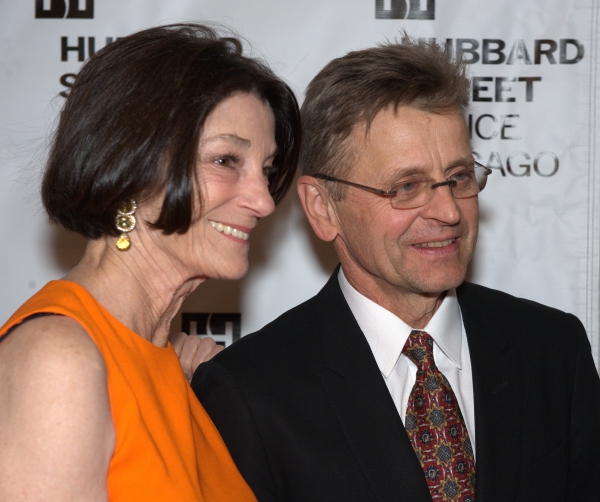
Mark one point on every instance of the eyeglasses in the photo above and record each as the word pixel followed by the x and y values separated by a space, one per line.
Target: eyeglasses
pixel 417 192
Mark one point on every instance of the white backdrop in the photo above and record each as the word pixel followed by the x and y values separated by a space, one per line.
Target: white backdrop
pixel 534 121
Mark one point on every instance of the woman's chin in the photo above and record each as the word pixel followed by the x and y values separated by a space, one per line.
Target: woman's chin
pixel 231 272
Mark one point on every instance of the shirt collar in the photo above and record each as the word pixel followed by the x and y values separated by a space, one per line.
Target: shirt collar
pixel 386 333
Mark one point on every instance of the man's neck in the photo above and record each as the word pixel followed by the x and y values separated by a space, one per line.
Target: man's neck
pixel 415 309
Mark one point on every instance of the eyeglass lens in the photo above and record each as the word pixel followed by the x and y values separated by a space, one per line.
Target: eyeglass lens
pixel 415 193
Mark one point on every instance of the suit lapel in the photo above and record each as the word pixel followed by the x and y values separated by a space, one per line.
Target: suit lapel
pixel 497 395
pixel 363 405
pixel 370 421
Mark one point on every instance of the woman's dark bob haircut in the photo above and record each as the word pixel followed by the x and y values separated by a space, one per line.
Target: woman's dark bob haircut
pixel 131 124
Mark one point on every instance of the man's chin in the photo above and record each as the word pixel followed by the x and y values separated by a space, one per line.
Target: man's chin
pixel 438 285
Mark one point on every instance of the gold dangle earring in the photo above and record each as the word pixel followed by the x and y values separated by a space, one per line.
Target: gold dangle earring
pixel 125 222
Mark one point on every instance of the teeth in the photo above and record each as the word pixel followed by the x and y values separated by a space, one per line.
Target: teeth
pixel 439 244
pixel 226 229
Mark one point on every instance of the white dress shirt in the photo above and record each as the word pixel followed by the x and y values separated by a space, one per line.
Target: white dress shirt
pixel 387 334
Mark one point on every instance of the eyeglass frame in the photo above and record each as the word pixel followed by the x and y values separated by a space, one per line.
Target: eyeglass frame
pixel 390 193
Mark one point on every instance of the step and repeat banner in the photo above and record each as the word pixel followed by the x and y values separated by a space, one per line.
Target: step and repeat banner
pixel 534 121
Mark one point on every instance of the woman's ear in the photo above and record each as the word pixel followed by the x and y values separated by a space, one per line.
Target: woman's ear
pixel 319 208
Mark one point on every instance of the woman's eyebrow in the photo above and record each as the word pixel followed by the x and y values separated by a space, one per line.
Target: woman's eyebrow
pixel 228 137
pixel 246 143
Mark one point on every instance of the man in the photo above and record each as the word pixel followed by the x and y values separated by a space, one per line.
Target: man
pixel 399 382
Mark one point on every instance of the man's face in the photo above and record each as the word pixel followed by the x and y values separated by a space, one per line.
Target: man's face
pixel 424 250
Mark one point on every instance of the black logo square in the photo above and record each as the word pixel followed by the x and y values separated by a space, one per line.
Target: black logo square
pixel 68 9
pixel 404 9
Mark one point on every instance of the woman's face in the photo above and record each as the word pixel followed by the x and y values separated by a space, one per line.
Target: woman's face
pixel 236 150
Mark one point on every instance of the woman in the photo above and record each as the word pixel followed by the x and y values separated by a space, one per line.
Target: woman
pixel 170 148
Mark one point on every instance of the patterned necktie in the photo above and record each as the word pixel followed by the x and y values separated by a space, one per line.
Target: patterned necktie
pixel 436 428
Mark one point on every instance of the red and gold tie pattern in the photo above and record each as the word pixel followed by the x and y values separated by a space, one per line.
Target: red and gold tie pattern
pixel 436 427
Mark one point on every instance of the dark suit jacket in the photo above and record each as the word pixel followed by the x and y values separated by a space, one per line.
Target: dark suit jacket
pixel 306 414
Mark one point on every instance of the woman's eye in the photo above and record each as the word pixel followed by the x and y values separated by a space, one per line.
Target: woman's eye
pixel 270 171
pixel 227 161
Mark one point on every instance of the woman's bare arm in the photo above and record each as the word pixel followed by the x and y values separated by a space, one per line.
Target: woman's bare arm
pixel 56 431
pixel 193 350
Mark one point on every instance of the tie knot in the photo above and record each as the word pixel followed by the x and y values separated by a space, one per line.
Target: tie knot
pixel 419 347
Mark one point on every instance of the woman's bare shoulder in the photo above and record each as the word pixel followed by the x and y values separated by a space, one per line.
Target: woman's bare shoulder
pixel 46 360
pixel 53 343
pixel 55 421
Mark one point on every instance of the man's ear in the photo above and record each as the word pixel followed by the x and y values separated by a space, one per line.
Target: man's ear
pixel 318 207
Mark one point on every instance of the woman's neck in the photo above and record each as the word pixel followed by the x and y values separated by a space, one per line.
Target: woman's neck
pixel 139 287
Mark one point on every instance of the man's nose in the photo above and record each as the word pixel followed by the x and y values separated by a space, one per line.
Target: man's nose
pixel 450 183
pixel 443 206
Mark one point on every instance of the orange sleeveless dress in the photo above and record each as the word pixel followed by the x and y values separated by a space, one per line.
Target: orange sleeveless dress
pixel 167 448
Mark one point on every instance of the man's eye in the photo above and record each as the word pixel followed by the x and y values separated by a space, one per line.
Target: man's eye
pixel 409 187
pixel 462 176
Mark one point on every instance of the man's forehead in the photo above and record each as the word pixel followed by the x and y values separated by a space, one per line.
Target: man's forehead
pixel 406 113
pixel 405 138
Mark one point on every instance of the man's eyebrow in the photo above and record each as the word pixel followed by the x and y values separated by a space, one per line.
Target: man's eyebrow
pixel 403 172
pixel 464 162
pixel 227 137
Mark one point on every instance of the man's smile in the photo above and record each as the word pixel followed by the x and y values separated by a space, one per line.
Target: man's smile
pixel 436 244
